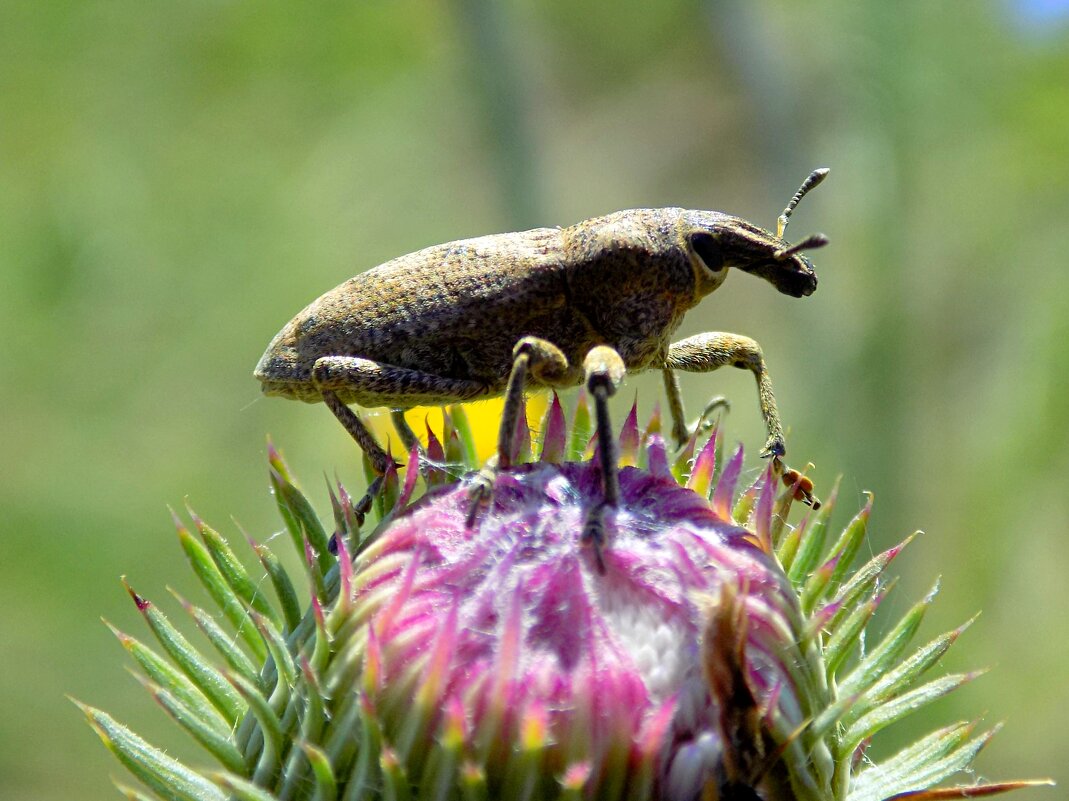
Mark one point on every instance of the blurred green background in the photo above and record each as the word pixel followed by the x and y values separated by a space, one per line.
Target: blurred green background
pixel 178 179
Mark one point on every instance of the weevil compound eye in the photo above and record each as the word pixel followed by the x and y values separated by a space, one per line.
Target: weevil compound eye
pixel 708 249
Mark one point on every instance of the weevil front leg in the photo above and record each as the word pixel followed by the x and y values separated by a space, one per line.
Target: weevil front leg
pixel 380 460
pixel 604 371
pixel 376 384
pixel 707 352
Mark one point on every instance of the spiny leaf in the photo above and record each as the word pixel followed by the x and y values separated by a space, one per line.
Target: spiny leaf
pixel 842 642
pixel 846 548
pixel 656 457
pixel 743 508
pixel 312 719
pixel 436 473
pixel 366 772
pixel 167 777
pixel 554 433
pixel 971 791
pixel 864 580
pixel 326 786
pixel 386 498
pixel 701 477
pixel 282 659
pixel 906 673
pixel 191 662
pixel 223 641
pixel 472 782
pixel 630 438
pixel 440 768
pixel 232 570
pixel 883 656
pixel 130 793
pixel 270 728
pixel 928 762
pixel 217 743
pixel 681 467
pixel 242 789
pixel 469 454
pixel 885 714
pixel 762 515
pixel 280 580
pixel 817 583
pixel 345 737
pixel 396 786
pixel 725 485
pixel 582 428
pixel 521 439
pixel 227 600
pixel 455 453
pixel 164 674
pixel 814 532
pixel 301 520
pixel 782 508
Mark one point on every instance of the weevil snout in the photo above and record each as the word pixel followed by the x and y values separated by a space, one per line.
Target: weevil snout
pixel 734 242
pixel 799 280
pixel 789 271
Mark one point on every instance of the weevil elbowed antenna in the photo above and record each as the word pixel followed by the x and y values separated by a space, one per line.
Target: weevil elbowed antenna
pixel 811 242
pixel 808 184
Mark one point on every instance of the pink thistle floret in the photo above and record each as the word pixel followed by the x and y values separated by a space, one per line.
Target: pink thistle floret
pixel 706 649
pixel 513 621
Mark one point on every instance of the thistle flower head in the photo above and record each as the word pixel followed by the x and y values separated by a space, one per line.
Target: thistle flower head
pixel 714 654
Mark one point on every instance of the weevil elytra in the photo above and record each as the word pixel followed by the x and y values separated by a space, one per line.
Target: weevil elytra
pixel 553 307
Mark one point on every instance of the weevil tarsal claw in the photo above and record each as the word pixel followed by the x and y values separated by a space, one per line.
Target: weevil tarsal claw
pixel 708 419
pixel 481 491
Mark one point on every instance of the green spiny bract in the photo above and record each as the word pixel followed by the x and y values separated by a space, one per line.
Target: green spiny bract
pixel 717 657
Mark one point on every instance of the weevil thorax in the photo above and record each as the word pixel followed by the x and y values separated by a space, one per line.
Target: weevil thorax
pixel 717 241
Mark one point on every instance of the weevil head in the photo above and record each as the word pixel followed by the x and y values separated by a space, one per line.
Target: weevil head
pixel 717 241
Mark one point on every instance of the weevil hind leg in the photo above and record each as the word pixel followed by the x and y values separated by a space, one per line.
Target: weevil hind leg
pixel 379 458
pixel 534 357
pixel 351 422
pixel 370 383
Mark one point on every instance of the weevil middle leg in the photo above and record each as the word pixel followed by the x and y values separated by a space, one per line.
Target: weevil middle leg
pixel 404 430
pixel 604 371
pixel 681 432
pixel 531 356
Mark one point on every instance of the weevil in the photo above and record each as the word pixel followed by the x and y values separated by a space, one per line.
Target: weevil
pixel 550 307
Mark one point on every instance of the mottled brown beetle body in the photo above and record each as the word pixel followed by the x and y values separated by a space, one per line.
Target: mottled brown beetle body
pixel 552 307
pixel 457 310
